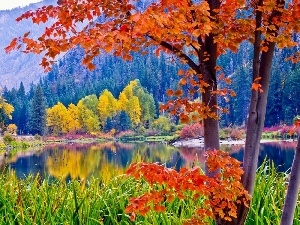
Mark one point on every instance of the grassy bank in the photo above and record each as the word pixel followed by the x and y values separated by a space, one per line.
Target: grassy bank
pixel 36 201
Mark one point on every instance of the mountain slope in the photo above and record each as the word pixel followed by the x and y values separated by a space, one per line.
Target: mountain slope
pixel 17 66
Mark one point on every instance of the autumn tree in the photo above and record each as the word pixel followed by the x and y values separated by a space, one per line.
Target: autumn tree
pixel 58 119
pixel 146 101
pixel 6 110
pixel 74 125
pixel 194 32
pixel 91 102
pixel 107 106
pixel 134 110
pixel 88 120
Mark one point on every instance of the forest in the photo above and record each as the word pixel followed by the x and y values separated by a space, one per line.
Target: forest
pixel 69 81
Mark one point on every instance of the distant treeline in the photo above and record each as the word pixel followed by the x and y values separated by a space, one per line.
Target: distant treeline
pixel 69 81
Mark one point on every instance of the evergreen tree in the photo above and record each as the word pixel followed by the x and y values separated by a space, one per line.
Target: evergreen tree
pixel 20 116
pixel 37 113
pixel 124 121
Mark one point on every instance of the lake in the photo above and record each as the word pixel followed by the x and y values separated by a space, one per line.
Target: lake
pixel 81 161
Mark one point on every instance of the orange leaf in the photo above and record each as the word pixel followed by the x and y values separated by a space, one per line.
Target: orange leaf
pixel 132 216
pixel 135 17
pixel 184 118
pixel 196 33
pixel 232 93
pixel 265 48
pixel 178 93
pixel 180 72
pixel 170 92
pixel 195 118
pixel 91 66
pixel 228 80
pixel 182 81
pixel 159 208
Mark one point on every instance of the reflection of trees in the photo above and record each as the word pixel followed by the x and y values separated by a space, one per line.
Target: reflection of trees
pixel 110 170
pixel 284 145
pixel 232 148
pixel 74 164
pixel 104 159
pixel 155 152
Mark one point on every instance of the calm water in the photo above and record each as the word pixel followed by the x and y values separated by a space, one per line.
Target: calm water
pixel 78 161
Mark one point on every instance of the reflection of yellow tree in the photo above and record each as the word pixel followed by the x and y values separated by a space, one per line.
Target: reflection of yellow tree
pixel 75 164
pixel 109 170
pixel 161 152
pixel 82 161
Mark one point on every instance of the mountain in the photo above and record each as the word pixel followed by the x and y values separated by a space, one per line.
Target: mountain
pixel 17 66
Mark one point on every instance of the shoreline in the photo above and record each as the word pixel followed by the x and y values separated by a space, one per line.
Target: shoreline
pixel 199 142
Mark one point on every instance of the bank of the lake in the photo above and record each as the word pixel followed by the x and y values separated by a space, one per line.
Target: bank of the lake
pixel 42 201
pixel 199 142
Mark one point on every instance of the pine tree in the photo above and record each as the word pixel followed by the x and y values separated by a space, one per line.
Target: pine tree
pixel 124 121
pixel 37 113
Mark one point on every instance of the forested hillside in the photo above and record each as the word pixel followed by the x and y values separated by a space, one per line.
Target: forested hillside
pixel 16 66
pixel 69 82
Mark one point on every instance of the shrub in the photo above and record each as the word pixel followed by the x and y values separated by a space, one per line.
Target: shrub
pixel 8 139
pixel 237 134
pixel 170 186
pixel 192 131
pixel 141 130
pixel 222 134
pixel 151 132
pixel 12 129
pixel 38 137
pixel 126 133
pixel 162 124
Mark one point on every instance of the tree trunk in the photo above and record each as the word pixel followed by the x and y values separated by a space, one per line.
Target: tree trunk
pixel 293 189
pixel 255 124
pixel 211 125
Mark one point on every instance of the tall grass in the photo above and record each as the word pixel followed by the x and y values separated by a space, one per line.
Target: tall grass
pixel 44 201
pixel 268 198
pixel 36 201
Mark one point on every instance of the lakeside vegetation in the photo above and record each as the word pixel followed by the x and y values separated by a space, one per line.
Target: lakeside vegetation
pixel 42 201
pixel 13 143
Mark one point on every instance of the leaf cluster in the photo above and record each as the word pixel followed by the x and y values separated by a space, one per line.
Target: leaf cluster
pixel 220 193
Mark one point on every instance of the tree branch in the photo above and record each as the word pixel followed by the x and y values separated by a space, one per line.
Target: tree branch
pixel 177 52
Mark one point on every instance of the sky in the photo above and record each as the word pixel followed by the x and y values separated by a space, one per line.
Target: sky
pixel 9 4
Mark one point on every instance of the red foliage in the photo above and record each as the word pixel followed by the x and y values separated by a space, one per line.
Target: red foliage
pixel 237 134
pixel 192 131
pixel 125 133
pixel 220 193
pixel 271 129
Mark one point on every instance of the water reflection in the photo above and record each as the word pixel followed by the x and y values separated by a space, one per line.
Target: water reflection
pixel 106 160
pixel 281 153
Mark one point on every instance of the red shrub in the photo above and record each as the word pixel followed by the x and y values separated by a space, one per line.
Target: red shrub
pixel 237 134
pixel 192 131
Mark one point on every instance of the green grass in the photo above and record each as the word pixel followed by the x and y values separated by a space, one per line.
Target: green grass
pixel 160 138
pixel 45 201
pixel 36 201
pixel 268 198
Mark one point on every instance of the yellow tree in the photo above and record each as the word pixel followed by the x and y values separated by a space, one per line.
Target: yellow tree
pixel 88 120
pixel 12 129
pixel 122 101
pixel 6 110
pixel 57 119
pixel 74 124
pixel 133 109
pixel 146 101
pixel 107 106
